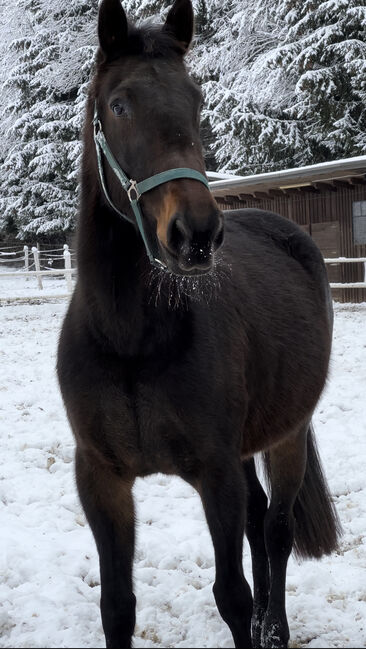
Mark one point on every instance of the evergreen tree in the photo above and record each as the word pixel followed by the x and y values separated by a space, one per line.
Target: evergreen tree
pixel 202 19
pixel 207 17
pixel 142 9
pixel 51 67
pixel 285 82
pixel 248 135
pixel 323 57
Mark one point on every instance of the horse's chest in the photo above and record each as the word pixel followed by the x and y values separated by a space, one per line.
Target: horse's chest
pixel 173 421
pixel 169 433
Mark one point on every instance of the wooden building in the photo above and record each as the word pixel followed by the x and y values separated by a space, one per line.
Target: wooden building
pixel 327 200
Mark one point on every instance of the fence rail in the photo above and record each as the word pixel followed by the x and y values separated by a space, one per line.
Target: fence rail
pixel 23 255
pixel 344 260
pixel 42 260
pixel 43 273
pixel 347 260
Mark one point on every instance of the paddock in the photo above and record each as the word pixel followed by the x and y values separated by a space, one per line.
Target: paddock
pixel 49 569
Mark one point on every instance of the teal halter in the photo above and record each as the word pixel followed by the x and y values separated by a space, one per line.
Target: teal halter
pixel 135 190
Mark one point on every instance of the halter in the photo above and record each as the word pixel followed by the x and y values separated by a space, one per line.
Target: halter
pixel 135 189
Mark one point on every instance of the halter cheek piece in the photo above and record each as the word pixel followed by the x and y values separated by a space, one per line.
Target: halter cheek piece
pixel 135 189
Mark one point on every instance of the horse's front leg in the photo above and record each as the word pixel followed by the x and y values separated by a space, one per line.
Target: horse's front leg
pixel 257 509
pixel 108 505
pixel 222 489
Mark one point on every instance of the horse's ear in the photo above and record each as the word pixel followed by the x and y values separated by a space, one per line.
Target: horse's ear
pixel 112 28
pixel 180 20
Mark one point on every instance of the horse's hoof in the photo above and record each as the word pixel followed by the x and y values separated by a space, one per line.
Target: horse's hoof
pixel 257 624
pixel 275 635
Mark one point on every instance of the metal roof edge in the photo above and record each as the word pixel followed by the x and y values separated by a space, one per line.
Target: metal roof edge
pixel 335 166
pixel 215 176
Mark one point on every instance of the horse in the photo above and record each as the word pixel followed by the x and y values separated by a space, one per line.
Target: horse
pixel 194 339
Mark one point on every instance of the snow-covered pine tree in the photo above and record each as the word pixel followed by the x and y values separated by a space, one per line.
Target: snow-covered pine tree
pixel 207 14
pixel 323 57
pixel 245 100
pixel 50 63
pixel 285 82
pixel 201 18
pixel 143 9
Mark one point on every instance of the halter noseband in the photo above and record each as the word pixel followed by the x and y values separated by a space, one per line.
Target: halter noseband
pixel 135 190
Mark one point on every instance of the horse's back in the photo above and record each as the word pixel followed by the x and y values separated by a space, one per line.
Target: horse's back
pixel 263 242
pixel 275 233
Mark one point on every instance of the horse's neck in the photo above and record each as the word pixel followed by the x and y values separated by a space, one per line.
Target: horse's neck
pixel 117 284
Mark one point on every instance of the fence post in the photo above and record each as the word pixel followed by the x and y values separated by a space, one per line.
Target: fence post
pixel 35 252
pixel 67 258
pixel 26 260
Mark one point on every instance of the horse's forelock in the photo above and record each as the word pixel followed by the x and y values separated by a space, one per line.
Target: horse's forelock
pixel 150 41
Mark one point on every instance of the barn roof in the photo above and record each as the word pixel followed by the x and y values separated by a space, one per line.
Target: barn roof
pixel 326 175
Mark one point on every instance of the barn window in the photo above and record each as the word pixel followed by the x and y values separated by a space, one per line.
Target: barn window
pixel 359 222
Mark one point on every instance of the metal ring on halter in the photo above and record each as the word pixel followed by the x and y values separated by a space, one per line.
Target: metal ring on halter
pixel 133 188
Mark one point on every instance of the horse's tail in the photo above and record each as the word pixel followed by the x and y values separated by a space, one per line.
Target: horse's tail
pixel 317 526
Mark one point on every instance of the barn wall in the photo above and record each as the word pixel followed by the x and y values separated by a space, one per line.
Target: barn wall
pixel 327 216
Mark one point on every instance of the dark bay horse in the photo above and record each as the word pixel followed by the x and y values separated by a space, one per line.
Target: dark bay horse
pixel 187 349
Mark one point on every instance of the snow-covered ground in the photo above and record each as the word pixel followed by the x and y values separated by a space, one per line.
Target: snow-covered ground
pixel 49 579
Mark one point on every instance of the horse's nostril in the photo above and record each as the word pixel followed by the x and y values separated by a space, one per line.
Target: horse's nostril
pixel 179 224
pixel 177 233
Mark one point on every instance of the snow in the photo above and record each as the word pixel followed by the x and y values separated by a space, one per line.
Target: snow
pixel 351 164
pixel 49 583
pixel 215 176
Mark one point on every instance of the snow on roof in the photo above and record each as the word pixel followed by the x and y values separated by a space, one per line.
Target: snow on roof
pixel 220 175
pixel 321 171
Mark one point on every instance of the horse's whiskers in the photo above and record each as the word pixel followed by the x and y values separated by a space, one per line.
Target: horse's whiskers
pixel 177 288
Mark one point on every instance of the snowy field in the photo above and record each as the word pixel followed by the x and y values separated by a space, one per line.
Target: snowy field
pixel 49 579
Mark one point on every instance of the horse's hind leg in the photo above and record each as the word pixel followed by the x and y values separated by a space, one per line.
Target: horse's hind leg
pixel 256 511
pixel 286 463
pixel 222 490
pixel 108 505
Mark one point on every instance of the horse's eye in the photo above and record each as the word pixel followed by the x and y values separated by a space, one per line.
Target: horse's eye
pixel 118 109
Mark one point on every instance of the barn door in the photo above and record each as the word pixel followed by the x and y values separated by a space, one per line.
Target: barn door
pixel 327 237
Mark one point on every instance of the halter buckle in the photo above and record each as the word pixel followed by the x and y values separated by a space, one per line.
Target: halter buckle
pixel 133 188
pixel 97 125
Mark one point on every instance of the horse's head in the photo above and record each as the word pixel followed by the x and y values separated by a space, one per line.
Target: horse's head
pixel 149 109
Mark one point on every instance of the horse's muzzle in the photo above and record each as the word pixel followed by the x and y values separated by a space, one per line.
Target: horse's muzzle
pixel 192 244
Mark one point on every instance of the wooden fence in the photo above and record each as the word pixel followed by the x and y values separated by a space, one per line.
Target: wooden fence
pixel 38 263
pixel 33 262
pixel 347 260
